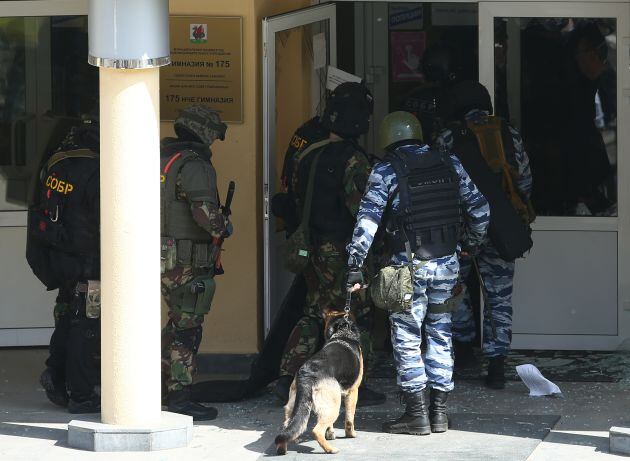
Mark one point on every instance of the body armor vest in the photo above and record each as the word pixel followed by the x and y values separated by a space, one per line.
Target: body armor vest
pixel 63 225
pixel 176 219
pixel 330 218
pixel 429 215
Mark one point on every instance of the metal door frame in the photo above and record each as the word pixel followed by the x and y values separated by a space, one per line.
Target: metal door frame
pixel 271 26
pixel 620 224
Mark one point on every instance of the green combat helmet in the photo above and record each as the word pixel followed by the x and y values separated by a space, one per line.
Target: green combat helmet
pixel 202 123
pixel 397 127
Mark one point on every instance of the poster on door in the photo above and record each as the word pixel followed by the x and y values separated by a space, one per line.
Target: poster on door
pixel 406 51
pixel 206 67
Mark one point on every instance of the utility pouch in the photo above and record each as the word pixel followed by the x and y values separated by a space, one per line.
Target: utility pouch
pixel 201 256
pixel 392 288
pixel 93 299
pixel 168 254
pixel 298 251
pixel 195 297
pixel 184 252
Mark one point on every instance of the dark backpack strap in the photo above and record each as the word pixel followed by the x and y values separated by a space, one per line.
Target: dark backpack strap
pixel 78 153
pixel 397 160
pixel 509 149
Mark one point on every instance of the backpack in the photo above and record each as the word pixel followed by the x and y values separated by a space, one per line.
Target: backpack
pixel 486 151
pixel 63 244
pixel 497 148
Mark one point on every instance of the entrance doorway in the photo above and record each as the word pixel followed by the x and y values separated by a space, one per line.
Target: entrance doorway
pixel 558 72
pixel 45 87
pixel 571 291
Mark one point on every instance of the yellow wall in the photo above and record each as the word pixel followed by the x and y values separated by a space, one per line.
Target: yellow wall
pixel 234 324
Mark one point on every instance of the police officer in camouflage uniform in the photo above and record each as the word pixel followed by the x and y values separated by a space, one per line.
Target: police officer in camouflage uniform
pixel 193 228
pixel 426 229
pixel 471 102
pixel 340 180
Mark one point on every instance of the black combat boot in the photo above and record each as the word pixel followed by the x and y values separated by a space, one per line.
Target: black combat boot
pixel 89 404
pixel 180 402
pixel 464 354
pixel 55 387
pixel 496 373
pixel 415 420
pixel 437 411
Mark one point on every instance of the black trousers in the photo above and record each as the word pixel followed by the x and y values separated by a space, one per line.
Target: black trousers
pixel 74 352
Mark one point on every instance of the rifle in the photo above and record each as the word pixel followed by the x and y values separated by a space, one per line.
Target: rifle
pixel 226 210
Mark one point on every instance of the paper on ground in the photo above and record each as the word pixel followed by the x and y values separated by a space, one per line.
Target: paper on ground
pixel 538 385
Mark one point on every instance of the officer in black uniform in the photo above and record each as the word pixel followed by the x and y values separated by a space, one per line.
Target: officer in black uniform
pixel 63 251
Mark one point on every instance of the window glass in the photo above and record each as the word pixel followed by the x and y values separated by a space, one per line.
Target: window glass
pixel 556 81
pixel 46 85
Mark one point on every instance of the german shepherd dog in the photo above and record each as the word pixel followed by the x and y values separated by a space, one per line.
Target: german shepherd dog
pixel 333 372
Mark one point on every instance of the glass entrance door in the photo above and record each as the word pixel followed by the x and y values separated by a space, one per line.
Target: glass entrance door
pixel 46 85
pixel 559 73
pixel 298 47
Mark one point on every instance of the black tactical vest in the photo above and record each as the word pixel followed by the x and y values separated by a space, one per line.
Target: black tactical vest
pixel 63 226
pixel 429 215
pixel 175 215
pixel 330 218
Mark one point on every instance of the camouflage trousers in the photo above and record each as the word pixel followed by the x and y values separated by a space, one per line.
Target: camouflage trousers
pixel 498 276
pixel 181 336
pixel 433 283
pixel 325 278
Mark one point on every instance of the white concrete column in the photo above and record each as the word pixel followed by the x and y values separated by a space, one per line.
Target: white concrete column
pixel 130 246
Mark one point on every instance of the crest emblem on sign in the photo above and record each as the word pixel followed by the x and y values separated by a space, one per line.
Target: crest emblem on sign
pixel 198 33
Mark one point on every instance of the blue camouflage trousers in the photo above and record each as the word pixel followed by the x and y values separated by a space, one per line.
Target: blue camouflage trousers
pixel 433 282
pixel 498 276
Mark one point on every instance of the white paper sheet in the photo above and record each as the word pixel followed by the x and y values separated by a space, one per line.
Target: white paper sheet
pixel 538 385
pixel 337 76
pixel 319 51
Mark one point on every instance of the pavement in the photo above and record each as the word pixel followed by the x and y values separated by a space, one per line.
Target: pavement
pixel 487 425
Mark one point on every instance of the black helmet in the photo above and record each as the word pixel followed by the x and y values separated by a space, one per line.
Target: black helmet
pixel 348 110
pixel 85 135
pixel 466 96
pixel 440 64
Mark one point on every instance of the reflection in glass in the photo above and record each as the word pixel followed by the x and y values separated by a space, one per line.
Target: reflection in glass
pixel 46 85
pixel 555 80
pixel 301 71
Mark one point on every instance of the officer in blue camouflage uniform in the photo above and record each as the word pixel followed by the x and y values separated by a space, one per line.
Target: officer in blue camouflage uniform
pixel 193 228
pixel 433 281
pixel 497 274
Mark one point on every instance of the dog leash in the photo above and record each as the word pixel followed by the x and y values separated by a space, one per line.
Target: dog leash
pixel 346 308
